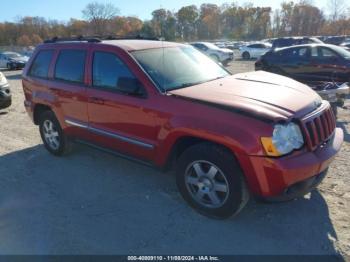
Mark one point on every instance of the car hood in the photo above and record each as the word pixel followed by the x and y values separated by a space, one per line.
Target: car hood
pixel 259 93
pixel 19 59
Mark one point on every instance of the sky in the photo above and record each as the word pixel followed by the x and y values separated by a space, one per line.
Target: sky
pixel 63 10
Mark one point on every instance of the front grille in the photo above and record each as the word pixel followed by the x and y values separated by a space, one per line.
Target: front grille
pixel 318 127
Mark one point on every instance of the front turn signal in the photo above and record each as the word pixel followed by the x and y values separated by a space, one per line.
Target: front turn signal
pixel 269 147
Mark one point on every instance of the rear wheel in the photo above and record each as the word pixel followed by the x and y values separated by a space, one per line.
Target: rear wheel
pixel 54 139
pixel 246 55
pixel 210 180
pixel 9 67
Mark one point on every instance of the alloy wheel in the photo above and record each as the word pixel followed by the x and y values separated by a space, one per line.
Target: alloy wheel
pixel 206 184
pixel 51 134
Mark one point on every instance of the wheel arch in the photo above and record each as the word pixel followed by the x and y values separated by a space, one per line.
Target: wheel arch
pixel 181 143
pixel 38 110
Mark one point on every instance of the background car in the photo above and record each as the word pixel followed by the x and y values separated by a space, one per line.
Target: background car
pixel 222 55
pixel 346 45
pixel 290 41
pixel 254 50
pixel 308 63
pixel 12 60
pixel 5 93
pixel 335 40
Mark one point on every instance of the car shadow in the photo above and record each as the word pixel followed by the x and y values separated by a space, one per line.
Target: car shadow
pixel 96 203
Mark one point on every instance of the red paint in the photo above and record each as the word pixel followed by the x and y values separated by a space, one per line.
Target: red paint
pixel 160 120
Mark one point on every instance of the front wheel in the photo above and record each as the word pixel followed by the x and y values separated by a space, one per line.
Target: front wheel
pixel 210 180
pixel 54 139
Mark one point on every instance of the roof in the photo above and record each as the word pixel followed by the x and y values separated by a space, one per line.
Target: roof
pixel 128 45
pixel 303 45
pixel 133 45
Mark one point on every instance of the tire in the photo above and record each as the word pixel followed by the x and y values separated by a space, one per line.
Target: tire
pixel 246 55
pixel 215 58
pixel 9 67
pixel 52 135
pixel 218 169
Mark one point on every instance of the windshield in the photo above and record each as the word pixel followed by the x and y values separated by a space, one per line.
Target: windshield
pixel 178 67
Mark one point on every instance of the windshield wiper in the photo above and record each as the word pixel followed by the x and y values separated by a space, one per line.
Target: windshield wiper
pixel 194 83
pixel 187 85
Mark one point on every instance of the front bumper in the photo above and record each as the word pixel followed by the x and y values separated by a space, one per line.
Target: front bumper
pixel 275 176
pixel 227 58
pixel 5 96
pixel 17 65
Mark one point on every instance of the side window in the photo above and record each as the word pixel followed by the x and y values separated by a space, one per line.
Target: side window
pixel 314 52
pixel 70 66
pixel 327 53
pixel 41 64
pixel 202 47
pixel 108 71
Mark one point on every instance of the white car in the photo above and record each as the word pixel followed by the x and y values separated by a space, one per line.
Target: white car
pixel 5 93
pixel 254 50
pixel 12 60
pixel 222 55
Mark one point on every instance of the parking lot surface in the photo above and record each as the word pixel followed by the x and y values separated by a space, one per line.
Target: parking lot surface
pixel 90 202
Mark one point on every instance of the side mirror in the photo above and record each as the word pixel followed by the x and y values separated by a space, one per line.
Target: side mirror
pixel 130 86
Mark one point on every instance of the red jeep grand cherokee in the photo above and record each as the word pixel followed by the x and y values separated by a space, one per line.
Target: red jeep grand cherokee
pixel 166 104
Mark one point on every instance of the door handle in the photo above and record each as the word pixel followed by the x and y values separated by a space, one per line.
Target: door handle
pixel 97 100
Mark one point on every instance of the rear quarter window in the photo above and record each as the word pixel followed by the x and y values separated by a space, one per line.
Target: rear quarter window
pixel 41 64
pixel 70 66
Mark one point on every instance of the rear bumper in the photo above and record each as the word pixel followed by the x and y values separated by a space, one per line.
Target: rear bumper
pixel 278 177
pixel 28 105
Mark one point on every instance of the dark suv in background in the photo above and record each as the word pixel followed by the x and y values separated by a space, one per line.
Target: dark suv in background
pixel 308 63
pixel 290 41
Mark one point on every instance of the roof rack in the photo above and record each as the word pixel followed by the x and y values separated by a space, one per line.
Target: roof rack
pixel 72 39
pixel 97 39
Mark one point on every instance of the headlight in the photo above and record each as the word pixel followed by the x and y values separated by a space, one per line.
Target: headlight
pixel 285 139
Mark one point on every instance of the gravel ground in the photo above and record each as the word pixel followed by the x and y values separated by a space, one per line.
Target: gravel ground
pixel 93 203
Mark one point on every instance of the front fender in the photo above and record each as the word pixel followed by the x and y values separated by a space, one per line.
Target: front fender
pixel 242 137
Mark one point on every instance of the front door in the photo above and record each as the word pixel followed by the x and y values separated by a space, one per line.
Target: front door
pixel 119 118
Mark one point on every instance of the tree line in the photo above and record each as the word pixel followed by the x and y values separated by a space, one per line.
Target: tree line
pixel 206 22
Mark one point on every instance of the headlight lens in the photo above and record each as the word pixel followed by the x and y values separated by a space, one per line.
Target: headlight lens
pixel 285 139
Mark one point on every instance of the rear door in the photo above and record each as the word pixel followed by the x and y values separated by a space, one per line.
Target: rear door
pixel 295 62
pixel 68 83
pixel 118 119
pixel 327 65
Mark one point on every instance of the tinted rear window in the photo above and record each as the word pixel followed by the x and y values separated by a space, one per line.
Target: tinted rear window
pixel 70 66
pixel 41 64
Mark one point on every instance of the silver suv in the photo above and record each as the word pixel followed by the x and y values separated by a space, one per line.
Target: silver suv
pixel 222 55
